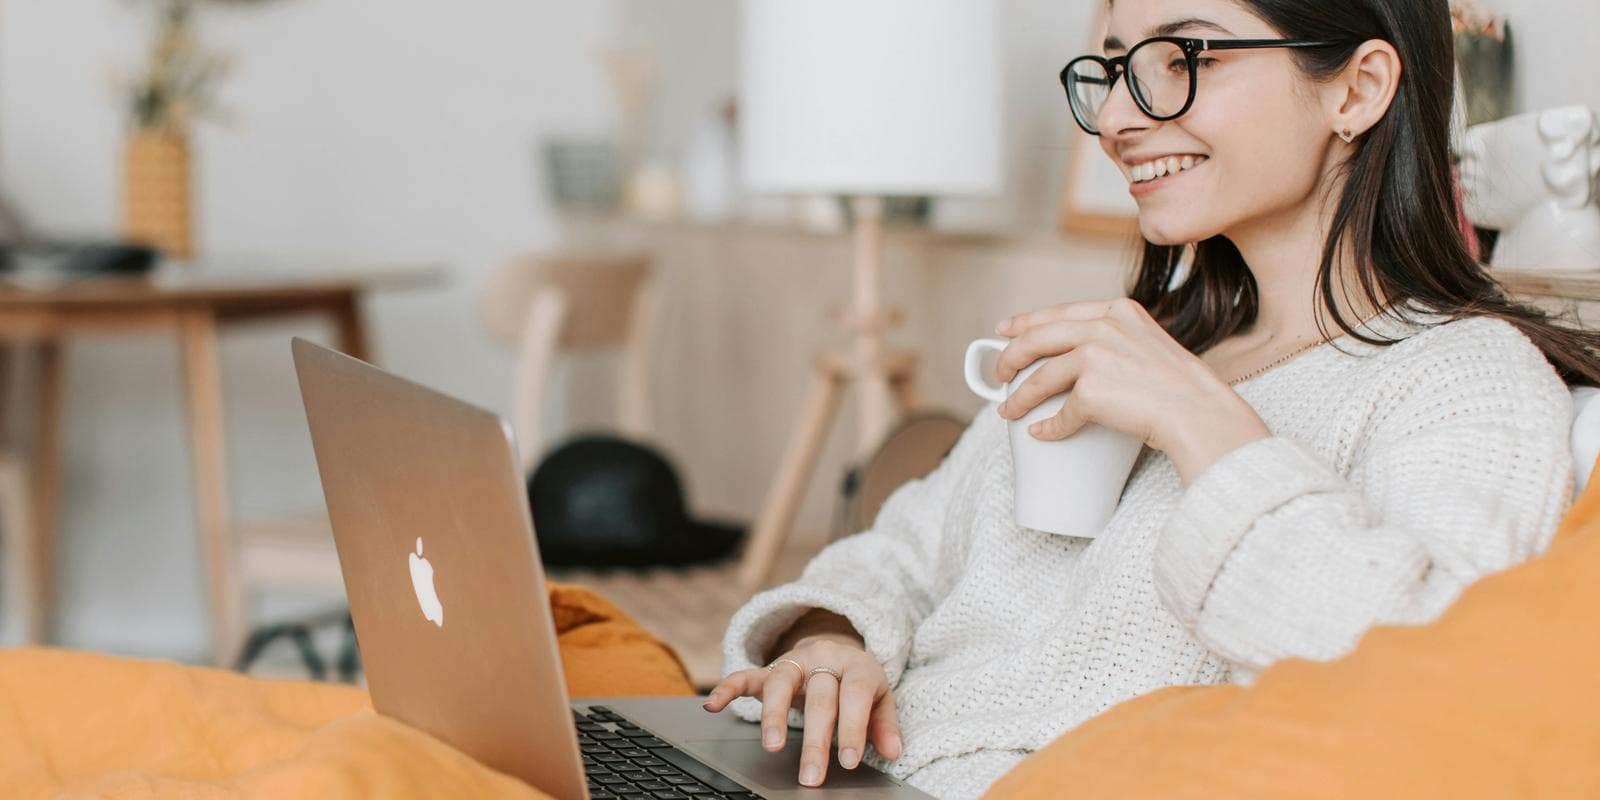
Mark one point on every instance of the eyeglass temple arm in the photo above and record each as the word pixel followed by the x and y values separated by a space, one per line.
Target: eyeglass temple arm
pixel 1250 44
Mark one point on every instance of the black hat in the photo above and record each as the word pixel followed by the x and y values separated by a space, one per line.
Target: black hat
pixel 602 501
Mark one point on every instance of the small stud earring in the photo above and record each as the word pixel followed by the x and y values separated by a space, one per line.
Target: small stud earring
pixel 1346 135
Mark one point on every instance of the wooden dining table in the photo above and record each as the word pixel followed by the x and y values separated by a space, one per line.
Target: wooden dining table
pixel 194 305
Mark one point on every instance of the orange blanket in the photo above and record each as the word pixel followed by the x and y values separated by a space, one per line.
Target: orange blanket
pixel 82 725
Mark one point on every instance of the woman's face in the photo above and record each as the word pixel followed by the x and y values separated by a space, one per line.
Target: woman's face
pixel 1256 135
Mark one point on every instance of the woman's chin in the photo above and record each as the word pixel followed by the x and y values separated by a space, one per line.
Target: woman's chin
pixel 1159 234
pixel 1168 232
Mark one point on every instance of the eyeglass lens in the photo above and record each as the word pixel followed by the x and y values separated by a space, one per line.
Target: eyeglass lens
pixel 1158 76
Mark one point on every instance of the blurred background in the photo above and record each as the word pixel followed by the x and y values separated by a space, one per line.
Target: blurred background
pixel 432 148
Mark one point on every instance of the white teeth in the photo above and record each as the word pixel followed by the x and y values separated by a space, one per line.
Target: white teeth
pixel 1161 167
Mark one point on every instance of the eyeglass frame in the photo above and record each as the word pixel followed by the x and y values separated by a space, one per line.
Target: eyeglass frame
pixel 1116 68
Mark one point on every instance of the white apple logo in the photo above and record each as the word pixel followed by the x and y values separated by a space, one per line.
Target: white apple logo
pixel 422 584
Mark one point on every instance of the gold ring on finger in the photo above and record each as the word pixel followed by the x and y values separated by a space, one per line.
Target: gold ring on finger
pixel 797 665
pixel 815 671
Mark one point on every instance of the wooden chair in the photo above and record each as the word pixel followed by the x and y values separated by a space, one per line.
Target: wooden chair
pixel 543 306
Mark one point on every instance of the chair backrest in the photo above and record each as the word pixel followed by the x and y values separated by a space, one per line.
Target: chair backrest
pixel 543 305
pixel 911 450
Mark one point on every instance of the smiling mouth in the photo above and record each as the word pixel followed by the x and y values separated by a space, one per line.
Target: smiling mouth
pixel 1159 168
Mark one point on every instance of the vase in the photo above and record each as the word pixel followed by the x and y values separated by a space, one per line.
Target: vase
pixel 156 192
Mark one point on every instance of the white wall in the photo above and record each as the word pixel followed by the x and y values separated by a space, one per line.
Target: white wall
pixel 404 131
pixel 365 133
pixel 1556 45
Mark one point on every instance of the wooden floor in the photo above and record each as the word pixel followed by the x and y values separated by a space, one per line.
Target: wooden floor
pixel 688 608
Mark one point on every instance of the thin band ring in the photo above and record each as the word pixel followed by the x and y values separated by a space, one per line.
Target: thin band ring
pixel 797 665
pixel 815 671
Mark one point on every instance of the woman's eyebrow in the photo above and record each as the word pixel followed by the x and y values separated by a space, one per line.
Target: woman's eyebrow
pixel 1168 29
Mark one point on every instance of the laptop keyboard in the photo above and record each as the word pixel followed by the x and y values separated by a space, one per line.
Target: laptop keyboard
pixel 622 760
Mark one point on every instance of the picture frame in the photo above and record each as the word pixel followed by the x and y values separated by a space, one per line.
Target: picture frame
pixel 1095 199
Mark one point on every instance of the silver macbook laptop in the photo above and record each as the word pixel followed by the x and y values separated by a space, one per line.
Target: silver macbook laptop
pixel 431 522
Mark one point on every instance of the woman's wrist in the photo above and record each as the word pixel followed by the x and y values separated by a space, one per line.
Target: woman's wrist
pixel 817 625
pixel 1200 440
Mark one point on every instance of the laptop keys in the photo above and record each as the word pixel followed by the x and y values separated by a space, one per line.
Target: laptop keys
pixel 623 760
pixel 703 773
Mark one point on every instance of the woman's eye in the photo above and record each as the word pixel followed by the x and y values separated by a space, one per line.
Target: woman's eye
pixel 1205 62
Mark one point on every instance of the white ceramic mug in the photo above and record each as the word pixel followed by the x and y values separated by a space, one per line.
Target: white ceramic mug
pixel 1069 486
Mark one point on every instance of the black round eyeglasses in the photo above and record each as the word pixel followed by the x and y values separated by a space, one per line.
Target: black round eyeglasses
pixel 1160 73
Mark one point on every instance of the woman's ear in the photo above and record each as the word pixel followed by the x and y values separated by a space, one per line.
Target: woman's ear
pixel 1361 94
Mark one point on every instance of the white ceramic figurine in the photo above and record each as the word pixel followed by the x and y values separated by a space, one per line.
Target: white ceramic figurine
pixel 1536 178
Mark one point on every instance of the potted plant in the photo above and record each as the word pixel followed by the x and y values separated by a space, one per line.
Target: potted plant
pixel 175 87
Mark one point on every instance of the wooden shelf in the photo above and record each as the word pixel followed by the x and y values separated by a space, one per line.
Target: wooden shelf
pixel 577 223
pixel 1581 286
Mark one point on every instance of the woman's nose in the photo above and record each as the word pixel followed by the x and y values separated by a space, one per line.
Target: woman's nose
pixel 1120 113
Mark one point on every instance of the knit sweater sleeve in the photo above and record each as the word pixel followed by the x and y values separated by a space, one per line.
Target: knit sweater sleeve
pixel 1273 552
pixel 884 580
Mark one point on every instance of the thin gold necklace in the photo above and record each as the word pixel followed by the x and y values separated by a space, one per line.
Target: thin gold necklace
pixel 1293 353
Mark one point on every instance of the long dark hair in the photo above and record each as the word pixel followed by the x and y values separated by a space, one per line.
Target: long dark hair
pixel 1397 208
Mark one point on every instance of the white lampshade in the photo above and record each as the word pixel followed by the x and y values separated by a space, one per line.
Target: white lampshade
pixel 870 97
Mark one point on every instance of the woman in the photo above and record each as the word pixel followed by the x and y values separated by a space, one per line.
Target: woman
pixel 1294 491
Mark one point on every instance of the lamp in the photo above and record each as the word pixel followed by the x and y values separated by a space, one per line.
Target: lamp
pixel 864 98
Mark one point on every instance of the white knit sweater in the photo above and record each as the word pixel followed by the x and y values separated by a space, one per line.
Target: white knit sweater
pixel 1394 477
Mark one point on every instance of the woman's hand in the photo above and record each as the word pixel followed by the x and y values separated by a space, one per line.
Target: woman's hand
pixel 858 700
pixel 1126 373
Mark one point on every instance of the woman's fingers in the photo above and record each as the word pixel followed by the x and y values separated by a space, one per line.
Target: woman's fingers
pixel 1052 378
pixel 856 695
pixel 885 727
pixel 737 684
pixel 1088 309
pixel 1044 341
pixel 777 696
pixel 857 705
pixel 822 710
pixel 1065 422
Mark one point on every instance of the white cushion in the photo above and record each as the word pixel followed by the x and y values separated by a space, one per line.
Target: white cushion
pixel 1585 433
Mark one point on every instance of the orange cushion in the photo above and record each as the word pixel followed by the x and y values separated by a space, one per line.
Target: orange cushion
pixel 1500 697
pixel 91 725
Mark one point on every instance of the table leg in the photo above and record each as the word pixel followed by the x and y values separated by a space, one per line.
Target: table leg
pixel 198 333
pixel 46 488
pixel 353 339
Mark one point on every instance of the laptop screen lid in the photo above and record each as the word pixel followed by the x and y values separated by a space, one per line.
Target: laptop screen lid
pixel 431 523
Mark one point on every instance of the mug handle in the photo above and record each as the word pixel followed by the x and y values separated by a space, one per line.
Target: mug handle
pixel 975 379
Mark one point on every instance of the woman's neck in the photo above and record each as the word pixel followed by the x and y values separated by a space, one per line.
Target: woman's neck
pixel 1283 255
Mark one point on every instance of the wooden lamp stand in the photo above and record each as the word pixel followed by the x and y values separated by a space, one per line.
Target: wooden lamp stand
pixel 882 376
